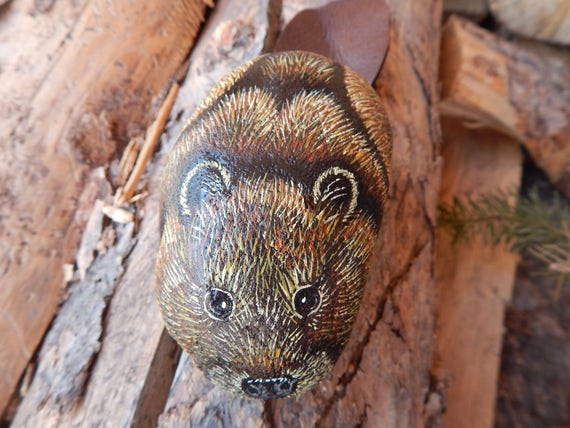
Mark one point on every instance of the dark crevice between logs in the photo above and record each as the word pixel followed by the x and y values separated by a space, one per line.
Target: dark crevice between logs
pixel 435 134
pixel 157 384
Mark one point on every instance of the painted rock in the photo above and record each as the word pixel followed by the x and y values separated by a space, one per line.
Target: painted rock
pixel 272 202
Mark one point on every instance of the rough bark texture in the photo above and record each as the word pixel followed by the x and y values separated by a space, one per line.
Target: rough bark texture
pixel 226 42
pixel 69 350
pixel 474 279
pixel 535 372
pixel 121 384
pixel 80 87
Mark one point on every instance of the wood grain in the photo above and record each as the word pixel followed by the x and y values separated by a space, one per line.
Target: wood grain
pixel 474 279
pixel 79 88
pixel 73 340
pixel 224 44
pixel 383 377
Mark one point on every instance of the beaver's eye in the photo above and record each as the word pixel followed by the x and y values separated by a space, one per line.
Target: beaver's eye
pixel 306 300
pixel 219 304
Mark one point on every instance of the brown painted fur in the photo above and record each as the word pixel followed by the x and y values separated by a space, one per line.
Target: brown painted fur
pixel 272 198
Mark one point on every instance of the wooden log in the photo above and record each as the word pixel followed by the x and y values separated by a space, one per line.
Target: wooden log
pixel 382 378
pixel 225 43
pixel 493 83
pixel 130 353
pixel 546 20
pixel 73 340
pixel 28 297
pixel 73 96
pixel 474 279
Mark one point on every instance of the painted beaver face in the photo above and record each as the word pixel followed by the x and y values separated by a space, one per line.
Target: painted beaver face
pixel 271 205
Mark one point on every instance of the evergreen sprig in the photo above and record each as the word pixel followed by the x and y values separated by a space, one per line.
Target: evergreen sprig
pixel 528 225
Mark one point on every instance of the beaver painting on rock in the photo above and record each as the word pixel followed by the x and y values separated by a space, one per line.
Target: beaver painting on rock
pixel 272 203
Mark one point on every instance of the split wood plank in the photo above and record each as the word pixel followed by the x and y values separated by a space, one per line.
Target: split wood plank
pixel 73 340
pixel 30 242
pixel 496 84
pixel 64 109
pixel 474 279
pixel 130 376
pixel 131 352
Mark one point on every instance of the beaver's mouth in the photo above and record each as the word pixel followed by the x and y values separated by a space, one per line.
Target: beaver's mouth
pixel 269 388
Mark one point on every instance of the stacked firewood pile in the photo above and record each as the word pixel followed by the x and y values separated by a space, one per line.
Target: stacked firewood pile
pixel 91 88
pixel 502 92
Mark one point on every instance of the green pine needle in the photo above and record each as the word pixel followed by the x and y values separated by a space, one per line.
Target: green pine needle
pixel 529 226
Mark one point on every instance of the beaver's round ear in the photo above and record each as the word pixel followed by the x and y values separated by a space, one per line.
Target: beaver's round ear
pixel 336 191
pixel 205 182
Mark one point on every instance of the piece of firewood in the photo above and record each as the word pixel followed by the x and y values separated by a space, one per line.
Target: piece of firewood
pixel 474 279
pixel 547 20
pixel 493 83
pixel 74 90
pixel 73 341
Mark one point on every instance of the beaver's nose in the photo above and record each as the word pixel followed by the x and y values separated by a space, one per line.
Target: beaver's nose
pixel 274 387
